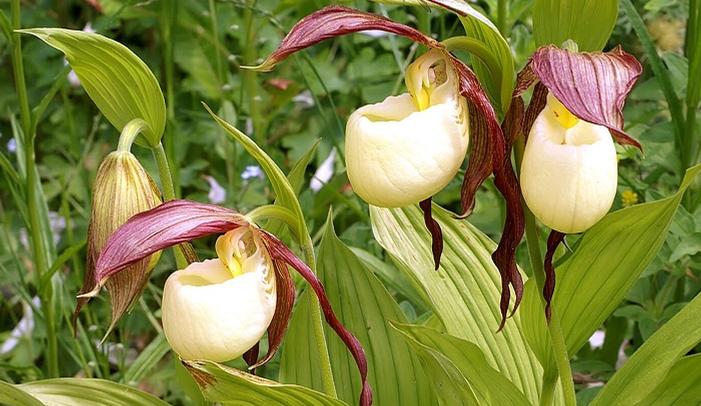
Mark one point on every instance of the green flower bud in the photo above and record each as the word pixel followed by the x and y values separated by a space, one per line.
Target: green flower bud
pixel 122 189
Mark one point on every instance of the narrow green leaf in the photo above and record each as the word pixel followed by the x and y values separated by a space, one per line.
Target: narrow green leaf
pixel 284 194
pixel 148 359
pixel 10 395
pixel 651 363
pixel 608 260
pixel 587 23
pixel 465 291
pixel 681 386
pixel 117 81
pixel 364 306
pixel 230 386
pixel 62 259
pixel 88 392
pixel 490 386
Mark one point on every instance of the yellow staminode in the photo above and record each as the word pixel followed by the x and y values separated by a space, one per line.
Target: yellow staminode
pixel 562 115
pixel 230 250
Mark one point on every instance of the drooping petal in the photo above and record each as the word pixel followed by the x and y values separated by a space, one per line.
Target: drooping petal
pixel 591 85
pixel 281 318
pixel 280 252
pixel 435 229
pixel 334 21
pixel 554 239
pixel 164 226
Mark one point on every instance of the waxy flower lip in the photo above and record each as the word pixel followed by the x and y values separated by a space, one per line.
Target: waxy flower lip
pixel 179 221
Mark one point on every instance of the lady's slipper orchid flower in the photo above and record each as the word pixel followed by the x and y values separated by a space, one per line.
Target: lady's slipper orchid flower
pixel 408 147
pixel 219 309
pixel 569 168
pixel 490 150
pixel 122 189
pixel 568 174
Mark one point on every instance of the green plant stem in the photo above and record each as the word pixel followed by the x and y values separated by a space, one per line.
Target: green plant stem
pixel 168 192
pixel 250 77
pixel 39 249
pixel 501 16
pixel 169 10
pixel 555 330
pixel 476 48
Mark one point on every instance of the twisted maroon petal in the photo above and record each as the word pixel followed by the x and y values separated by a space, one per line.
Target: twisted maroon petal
pixel 169 224
pixel 283 312
pixel 592 85
pixel 280 252
pixel 554 239
pixel 435 229
pixel 251 357
pixel 334 21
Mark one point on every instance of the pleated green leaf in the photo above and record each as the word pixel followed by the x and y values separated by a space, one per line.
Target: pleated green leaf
pixel 364 306
pixel 231 386
pixel 79 392
pixel 117 81
pixel 10 395
pixel 490 386
pixel 588 23
pixel 681 386
pixel 464 292
pixel 606 263
pixel 651 364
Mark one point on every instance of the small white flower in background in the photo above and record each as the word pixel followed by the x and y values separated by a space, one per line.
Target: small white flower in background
pixel 324 173
pixel 216 194
pixel 72 77
pixel 23 329
pixel 597 339
pixel 375 33
pixel 57 224
pixel 12 145
pixel 249 126
pixel 116 353
pixel 305 99
pixel 251 172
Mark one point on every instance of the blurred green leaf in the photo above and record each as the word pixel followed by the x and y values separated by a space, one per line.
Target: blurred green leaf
pixel 587 23
pixel 364 306
pixel 465 290
pixel 471 367
pixel 681 386
pixel 11 395
pixel 652 362
pixel 118 82
pixel 83 392
pixel 227 385
pixel 147 359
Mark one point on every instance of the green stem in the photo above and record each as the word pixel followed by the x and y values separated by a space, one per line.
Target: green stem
pixel 250 77
pixel 501 16
pixel 555 330
pixel 129 134
pixel 39 249
pixel 476 48
pixel 169 10
pixel 168 192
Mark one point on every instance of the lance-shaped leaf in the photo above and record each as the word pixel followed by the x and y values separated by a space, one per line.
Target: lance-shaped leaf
pixel 179 221
pixel 591 85
pixel 120 84
pixel 490 150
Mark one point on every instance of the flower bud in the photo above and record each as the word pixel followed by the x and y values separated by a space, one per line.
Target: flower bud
pixel 122 189
pixel 569 170
pixel 219 308
pixel 407 148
